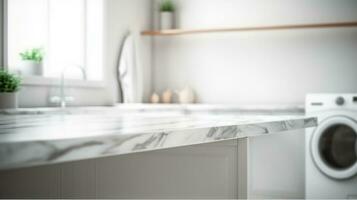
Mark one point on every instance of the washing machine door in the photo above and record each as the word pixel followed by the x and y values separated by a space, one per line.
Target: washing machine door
pixel 334 147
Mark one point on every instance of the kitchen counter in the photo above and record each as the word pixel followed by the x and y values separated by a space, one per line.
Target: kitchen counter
pixel 31 137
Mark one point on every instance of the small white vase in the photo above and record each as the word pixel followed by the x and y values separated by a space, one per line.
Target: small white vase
pixel 166 20
pixel 155 98
pixel 186 96
pixel 8 100
pixel 31 68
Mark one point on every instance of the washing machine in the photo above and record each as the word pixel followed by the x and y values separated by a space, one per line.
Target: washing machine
pixel 331 147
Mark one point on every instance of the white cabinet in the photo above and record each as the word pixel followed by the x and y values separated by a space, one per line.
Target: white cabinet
pixel 203 171
pixel 275 166
pixel 261 167
pixel 200 171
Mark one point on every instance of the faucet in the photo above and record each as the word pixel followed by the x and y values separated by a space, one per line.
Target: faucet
pixel 62 99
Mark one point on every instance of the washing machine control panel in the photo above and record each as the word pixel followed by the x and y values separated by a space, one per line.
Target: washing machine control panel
pixel 323 102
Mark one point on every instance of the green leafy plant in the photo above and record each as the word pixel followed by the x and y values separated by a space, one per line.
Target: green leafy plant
pixel 167 6
pixel 9 82
pixel 35 54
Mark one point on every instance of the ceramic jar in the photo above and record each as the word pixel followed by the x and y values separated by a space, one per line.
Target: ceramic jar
pixel 186 96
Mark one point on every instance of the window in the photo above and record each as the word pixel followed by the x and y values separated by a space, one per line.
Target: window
pixel 68 32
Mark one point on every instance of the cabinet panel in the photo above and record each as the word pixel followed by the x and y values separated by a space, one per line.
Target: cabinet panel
pixel 77 179
pixel 199 171
pixel 34 183
pixel 277 166
pixel 204 171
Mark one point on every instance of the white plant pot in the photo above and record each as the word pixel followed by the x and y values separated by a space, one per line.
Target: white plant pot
pixel 31 68
pixel 166 20
pixel 8 100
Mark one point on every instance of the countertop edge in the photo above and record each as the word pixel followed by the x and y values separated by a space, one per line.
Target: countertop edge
pixel 35 153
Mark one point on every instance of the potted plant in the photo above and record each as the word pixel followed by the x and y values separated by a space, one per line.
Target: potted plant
pixel 32 62
pixel 167 9
pixel 9 85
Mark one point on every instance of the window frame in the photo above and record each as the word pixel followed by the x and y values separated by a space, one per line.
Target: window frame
pixel 52 81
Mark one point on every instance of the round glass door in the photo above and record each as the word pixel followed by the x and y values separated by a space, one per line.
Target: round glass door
pixel 334 147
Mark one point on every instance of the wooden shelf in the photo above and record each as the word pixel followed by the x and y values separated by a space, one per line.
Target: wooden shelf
pixel 173 32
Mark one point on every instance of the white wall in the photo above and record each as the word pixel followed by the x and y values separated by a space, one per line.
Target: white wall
pixel 121 16
pixel 270 67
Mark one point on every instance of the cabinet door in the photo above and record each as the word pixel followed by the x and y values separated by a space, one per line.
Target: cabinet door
pixel 198 171
pixel 202 171
pixel 33 183
pixel 276 166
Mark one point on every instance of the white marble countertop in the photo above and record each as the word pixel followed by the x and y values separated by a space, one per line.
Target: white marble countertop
pixel 31 137
pixel 171 109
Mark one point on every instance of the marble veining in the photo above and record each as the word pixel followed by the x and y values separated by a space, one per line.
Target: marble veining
pixel 36 138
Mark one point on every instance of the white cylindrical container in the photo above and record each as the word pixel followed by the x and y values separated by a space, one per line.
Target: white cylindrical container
pixel 186 96
pixel 32 68
pixel 155 98
pixel 166 20
pixel 8 100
